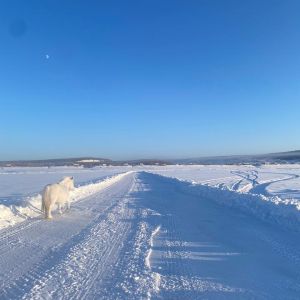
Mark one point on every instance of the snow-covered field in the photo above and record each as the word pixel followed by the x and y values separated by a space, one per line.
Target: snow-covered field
pixel 172 232
pixel 268 180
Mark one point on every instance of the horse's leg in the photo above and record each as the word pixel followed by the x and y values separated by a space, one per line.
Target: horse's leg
pixel 68 204
pixel 48 211
pixel 43 205
pixel 59 208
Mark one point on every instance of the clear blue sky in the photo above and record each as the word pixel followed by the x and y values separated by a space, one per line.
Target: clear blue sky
pixel 137 79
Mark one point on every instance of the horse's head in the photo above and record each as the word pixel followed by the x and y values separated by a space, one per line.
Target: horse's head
pixel 68 182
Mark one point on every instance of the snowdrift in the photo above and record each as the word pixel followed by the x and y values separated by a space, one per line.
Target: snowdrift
pixel 284 212
pixel 10 215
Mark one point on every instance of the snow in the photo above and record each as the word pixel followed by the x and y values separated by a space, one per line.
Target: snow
pixel 268 180
pixel 16 184
pixel 153 232
pixel 23 206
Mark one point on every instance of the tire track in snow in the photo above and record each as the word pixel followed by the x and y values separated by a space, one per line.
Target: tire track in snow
pixel 179 280
pixel 254 186
pixel 132 277
pixel 262 187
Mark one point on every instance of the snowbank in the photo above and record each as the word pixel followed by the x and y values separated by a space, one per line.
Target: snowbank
pixel 285 212
pixel 10 215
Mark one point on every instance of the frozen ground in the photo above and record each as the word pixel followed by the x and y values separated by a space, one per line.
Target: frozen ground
pixel 210 232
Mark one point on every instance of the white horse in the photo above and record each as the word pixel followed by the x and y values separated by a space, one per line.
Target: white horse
pixel 57 193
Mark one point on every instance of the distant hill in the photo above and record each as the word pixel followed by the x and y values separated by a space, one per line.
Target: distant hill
pixel 282 157
pixel 288 156
pixel 88 162
pixel 147 162
pixel 85 161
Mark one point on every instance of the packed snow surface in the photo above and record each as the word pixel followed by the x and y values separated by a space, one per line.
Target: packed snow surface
pixel 171 232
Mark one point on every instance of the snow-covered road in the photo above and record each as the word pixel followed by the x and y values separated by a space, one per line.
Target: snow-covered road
pixel 64 257
pixel 148 236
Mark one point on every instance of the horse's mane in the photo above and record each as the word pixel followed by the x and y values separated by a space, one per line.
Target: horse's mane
pixel 66 178
pixel 66 181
